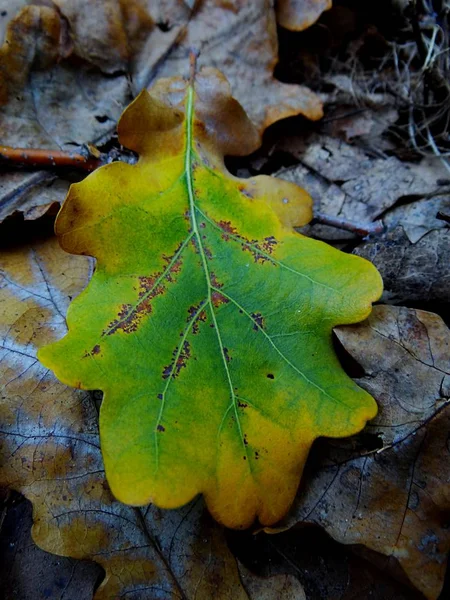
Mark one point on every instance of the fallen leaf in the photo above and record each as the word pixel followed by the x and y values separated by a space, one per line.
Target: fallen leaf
pixel 298 15
pixel 50 453
pixel 344 181
pixel 65 71
pixel 62 81
pixel 389 488
pixel 240 39
pixel 26 571
pixel 31 194
pixel 326 569
pixel 419 218
pixel 210 286
pixel 414 255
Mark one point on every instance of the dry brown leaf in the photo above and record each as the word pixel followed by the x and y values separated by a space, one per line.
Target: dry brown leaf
pixel 414 255
pixel 345 181
pixel 65 68
pixel 65 71
pixel 29 573
pixel 50 453
pixel 32 194
pixel 239 38
pixel 298 15
pixel 389 488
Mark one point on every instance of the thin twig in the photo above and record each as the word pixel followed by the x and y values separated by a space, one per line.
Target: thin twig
pixel 37 157
pixel 362 230
pixel 443 217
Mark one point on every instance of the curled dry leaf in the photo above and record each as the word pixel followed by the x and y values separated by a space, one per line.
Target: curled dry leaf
pixel 298 15
pixel 240 39
pixel 31 194
pixel 187 314
pixel 50 453
pixel 389 489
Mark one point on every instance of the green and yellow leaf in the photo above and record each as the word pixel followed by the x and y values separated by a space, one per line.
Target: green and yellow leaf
pixel 208 321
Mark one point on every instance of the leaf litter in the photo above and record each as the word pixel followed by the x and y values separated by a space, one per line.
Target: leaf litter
pixel 409 229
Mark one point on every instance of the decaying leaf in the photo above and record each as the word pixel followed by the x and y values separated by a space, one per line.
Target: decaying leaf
pixel 239 38
pixel 346 182
pixel 208 320
pixel 298 15
pixel 31 194
pixel 389 489
pixel 27 571
pixel 64 81
pixel 65 71
pixel 414 255
pixel 50 453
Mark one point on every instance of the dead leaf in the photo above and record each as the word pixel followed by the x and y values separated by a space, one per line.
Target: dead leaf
pixel 419 218
pixel 239 38
pixel 414 255
pixel 345 181
pixel 31 194
pixel 27 572
pixel 389 488
pixel 50 452
pixel 298 15
pixel 65 71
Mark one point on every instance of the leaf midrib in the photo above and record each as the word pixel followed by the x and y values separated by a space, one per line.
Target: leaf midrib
pixel 192 208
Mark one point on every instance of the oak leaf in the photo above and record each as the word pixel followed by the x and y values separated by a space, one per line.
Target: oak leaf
pixel 389 488
pixel 50 452
pixel 240 39
pixel 208 320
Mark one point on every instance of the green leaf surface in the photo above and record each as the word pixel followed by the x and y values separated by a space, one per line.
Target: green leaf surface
pixel 208 321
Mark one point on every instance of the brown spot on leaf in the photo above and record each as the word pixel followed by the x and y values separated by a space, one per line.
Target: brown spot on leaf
pixel 218 299
pixel 161 428
pixel 167 371
pixel 184 356
pixel 258 321
pixel 227 228
pixel 150 287
pixel 214 281
pixel 256 251
pixel 269 244
pixel 227 355
pixel 242 404
pixel 179 361
pixel 95 350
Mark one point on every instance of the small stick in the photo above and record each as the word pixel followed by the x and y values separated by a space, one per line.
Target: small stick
pixel 443 217
pixel 37 157
pixel 361 230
